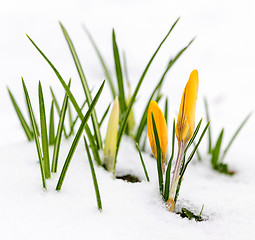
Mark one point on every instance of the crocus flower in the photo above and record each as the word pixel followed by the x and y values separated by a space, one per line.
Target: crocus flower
pixel 111 137
pixel 161 129
pixel 184 129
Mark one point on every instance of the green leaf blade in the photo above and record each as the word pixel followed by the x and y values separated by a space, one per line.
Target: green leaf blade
pixel 98 197
pixel 132 100
pixel 59 134
pixel 118 69
pixel 168 170
pixel 32 118
pixel 77 138
pixel 105 68
pixel 85 86
pixel 23 122
pixel 159 165
pixel 51 126
pixel 143 164
pixel 44 134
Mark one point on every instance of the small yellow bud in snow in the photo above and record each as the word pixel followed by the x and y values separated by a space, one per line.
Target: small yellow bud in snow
pixel 161 129
pixel 186 117
pixel 111 137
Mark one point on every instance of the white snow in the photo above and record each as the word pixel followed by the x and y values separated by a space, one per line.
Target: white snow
pixel 223 53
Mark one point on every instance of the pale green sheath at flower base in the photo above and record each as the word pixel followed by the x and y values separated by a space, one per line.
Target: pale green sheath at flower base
pixel 111 137
pixel 184 129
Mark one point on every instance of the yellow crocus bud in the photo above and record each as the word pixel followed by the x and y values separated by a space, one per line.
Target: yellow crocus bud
pixel 184 130
pixel 161 129
pixel 111 137
pixel 186 117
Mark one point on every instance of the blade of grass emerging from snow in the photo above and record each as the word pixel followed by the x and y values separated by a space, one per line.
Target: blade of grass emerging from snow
pixel 44 134
pixel 185 165
pixel 104 115
pixel 159 166
pixel 69 93
pixel 57 107
pixel 132 100
pixel 216 150
pixel 59 135
pixel 77 138
pixel 143 164
pixel 166 110
pixel 99 203
pixel 85 87
pixel 106 69
pixel 125 68
pixel 70 118
pixel 142 124
pixel 209 129
pixel 23 122
pixel 51 126
pixel 168 170
pixel 118 69
pixel 32 118
pixel 234 136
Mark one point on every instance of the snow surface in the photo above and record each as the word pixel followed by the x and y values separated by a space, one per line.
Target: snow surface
pixel 223 53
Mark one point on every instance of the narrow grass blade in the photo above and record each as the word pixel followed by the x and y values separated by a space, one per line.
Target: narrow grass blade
pixel 189 160
pixel 156 92
pixel 93 146
pixel 85 86
pixel 104 115
pixel 132 100
pixel 216 150
pixel 193 136
pixel 77 138
pixel 168 170
pixel 99 203
pixel 106 69
pixel 198 153
pixel 51 126
pixel 59 135
pixel 166 110
pixel 125 68
pixel 159 167
pixel 58 108
pixel 209 129
pixel 75 120
pixel 67 89
pixel 32 118
pixel 44 133
pixel 36 126
pixel 118 69
pixel 23 122
pixel 70 117
pixel 143 164
pixel 234 136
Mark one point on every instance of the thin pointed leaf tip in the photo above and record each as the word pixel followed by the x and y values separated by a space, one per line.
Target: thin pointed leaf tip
pixel 161 129
pixel 111 137
pixel 186 118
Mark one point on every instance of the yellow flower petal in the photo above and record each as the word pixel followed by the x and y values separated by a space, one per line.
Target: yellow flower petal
pixel 111 137
pixel 161 129
pixel 186 117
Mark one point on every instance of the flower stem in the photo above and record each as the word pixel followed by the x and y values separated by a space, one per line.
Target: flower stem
pixel 176 173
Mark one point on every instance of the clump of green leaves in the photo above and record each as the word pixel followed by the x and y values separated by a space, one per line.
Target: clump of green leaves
pixel 216 153
pixel 185 213
pixel 164 187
